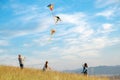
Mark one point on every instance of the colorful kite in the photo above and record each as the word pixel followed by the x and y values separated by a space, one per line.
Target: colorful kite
pixel 52 31
pixel 57 18
pixel 51 6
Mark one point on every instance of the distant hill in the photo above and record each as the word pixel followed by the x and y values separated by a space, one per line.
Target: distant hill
pixel 99 70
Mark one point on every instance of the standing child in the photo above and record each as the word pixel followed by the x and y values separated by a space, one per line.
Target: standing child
pixel 21 59
pixel 46 67
pixel 85 68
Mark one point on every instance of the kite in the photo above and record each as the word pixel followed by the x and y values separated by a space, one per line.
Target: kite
pixel 57 18
pixel 52 31
pixel 51 6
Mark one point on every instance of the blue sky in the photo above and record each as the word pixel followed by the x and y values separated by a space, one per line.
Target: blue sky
pixel 89 32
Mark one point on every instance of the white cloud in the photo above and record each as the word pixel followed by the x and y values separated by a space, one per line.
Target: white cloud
pixel 106 28
pixel 79 29
pixel 109 13
pixel 20 9
pixel 88 48
pixel 102 42
pixel 45 40
pixel 7 59
pixel 68 57
pixel 20 33
pixel 84 30
pixel 90 53
pixel 104 3
pixel 79 25
pixel 4 43
pixel 75 18
pixel 43 25
pixel 87 33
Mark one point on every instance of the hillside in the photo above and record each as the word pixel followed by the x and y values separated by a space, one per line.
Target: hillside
pixel 15 73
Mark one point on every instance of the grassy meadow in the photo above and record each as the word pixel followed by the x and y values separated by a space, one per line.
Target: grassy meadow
pixel 15 73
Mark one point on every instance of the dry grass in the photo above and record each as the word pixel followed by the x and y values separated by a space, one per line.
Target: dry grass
pixel 14 73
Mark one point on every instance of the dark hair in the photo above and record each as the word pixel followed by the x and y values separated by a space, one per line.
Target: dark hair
pixel 46 62
pixel 85 65
pixel 19 55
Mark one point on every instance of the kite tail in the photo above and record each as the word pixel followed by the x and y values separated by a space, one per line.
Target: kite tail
pixel 50 38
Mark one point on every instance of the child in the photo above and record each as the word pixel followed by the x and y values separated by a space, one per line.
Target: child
pixel 85 67
pixel 45 68
pixel 21 59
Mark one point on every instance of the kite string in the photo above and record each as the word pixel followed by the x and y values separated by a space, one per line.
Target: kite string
pixel 53 30
pixel 53 16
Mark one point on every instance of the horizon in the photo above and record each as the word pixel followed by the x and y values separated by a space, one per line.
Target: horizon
pixel 89 32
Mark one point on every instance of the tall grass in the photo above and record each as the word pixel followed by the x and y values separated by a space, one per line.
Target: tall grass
pixel 15 73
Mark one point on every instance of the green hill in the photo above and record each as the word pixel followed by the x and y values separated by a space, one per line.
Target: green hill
pixel 15 73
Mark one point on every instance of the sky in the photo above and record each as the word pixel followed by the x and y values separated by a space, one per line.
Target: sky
pixel 89 31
